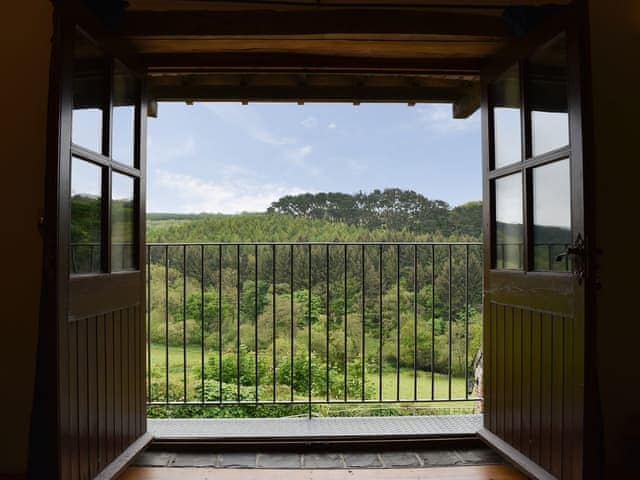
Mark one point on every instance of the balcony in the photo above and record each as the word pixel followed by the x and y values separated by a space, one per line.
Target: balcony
pixel 313 330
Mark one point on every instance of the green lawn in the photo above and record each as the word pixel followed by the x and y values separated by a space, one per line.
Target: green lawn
pixel 389 382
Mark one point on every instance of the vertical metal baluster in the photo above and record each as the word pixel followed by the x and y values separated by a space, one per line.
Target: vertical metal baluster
pixel 273 319
pixel 362 360
pixel 184 322
pixel 238 322
pixel 466 324
pixel 220 323
pixel 450 322
pixel 433 320
pixel 291 362
pixel 255 312
pixel 345 325
pixel 328 386
pixel 166 321
pixel 148 323
pixel 309 335
pixel 398 322
pixel 202 342
pixel 380 322
pixel 415 323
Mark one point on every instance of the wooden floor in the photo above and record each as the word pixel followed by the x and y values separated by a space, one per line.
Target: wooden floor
pixel 480 472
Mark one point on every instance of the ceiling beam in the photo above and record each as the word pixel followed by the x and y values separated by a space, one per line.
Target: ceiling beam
pixel 303 93
pixel 467 104
pixel 290 62
pixel 313 22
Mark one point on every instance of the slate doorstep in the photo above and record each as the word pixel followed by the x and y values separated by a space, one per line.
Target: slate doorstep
pixel 323 460
pixel 362 460
pixel 400 459
pixel 238 460
pixel 155 459
pixel 281 460
pixel 196 460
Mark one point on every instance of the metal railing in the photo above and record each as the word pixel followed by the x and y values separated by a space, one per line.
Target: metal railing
pixel 312 323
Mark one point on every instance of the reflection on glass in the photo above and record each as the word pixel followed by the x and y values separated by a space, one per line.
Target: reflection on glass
pixel 552 216
pixel 548 97
pixel 86 217
pixel 509 242
pixel 125 92
pixel 507 131
pixel 88 94
pixel 123 254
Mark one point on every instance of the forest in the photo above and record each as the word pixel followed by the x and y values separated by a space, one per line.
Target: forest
pixel 364 304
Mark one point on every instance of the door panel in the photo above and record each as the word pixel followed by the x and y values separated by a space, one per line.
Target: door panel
pixel 534 283
pixel 100 231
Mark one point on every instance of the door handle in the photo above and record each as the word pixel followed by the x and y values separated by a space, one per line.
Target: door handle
pixel 570 251
pixel 578 253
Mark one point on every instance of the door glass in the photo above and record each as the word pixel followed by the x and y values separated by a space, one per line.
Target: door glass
pixel 86 217
pixel 88 94
pixel 548 97
pixel 509 235
pixel 123 253
pixel 552 216
pixel 507 131
pixel 125 93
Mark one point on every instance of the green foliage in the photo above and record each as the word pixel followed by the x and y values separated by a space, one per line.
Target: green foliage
pixel 358 304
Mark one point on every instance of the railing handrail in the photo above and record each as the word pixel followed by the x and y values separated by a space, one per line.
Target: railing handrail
pixel 355 243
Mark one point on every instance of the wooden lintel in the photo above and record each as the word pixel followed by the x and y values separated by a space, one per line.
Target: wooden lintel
pixel 304 94
pixel 466 105
pixel 310 22
pixel 252 62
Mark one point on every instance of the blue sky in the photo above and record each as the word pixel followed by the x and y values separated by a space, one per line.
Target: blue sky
pixel 229 158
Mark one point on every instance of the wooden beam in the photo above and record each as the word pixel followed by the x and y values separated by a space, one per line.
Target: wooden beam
pixel 251 62
pixel 213 93
pixel 310 22
pixel 199 5
pixel 465 106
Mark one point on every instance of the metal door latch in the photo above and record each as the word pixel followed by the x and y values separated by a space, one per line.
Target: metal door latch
pixel 578 254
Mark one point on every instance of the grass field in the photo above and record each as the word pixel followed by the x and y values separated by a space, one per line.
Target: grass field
pixel 390 391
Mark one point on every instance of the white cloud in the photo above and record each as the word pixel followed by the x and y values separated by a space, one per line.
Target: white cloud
pixel 249 121
pixel 357 166
pixel 230 194
pixel 298 158
pixel 438 119
pixel 309 122
pixel 177 149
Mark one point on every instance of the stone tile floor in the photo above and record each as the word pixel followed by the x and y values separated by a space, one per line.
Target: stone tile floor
pixel 352 459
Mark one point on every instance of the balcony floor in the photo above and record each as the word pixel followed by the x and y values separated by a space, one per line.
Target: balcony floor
pixel 433 426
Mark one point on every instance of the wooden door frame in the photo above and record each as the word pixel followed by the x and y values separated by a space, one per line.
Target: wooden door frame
pixel 584 423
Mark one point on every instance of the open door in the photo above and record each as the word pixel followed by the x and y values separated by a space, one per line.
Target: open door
pixel 96 197
pixel 534 226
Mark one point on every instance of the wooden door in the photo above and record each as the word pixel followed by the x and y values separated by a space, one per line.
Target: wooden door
pixel 535 266
pixel 96 199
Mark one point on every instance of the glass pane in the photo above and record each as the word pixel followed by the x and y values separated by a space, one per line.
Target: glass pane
pixel 552 216
pixel 507 131
pixel 509 243
pixel 88 94
pixel 86 217
pixel 125 93
pixel 548 94
pixel 123 253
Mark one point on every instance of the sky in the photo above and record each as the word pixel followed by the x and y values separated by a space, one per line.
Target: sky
pixel 231 158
